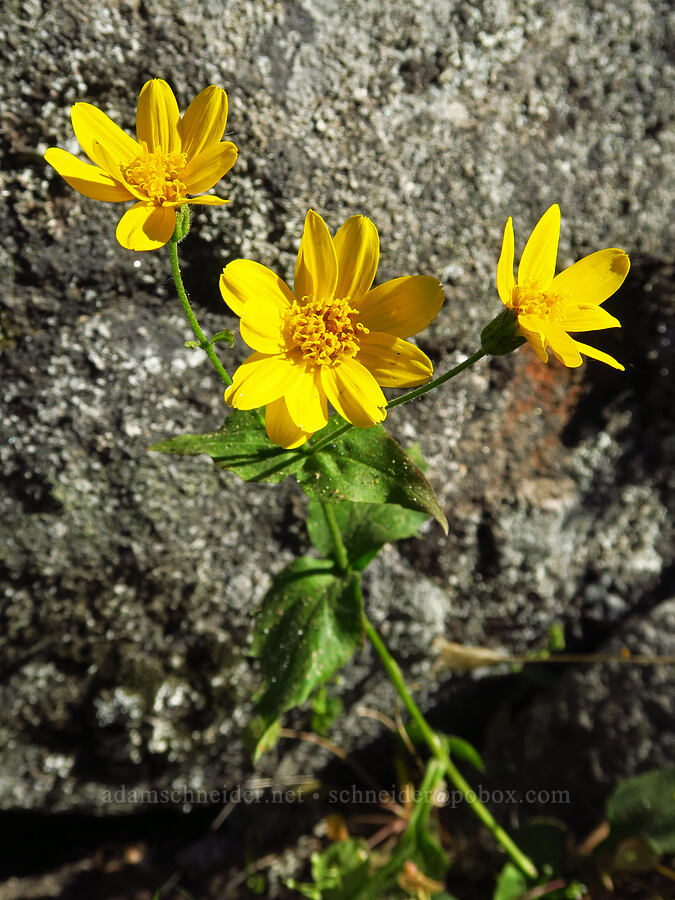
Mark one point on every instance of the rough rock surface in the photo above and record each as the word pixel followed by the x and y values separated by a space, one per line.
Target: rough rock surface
pixel 128 578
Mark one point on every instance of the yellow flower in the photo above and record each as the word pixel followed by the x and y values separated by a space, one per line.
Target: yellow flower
pixel 332 338
pixel 174 156
pixel 549 306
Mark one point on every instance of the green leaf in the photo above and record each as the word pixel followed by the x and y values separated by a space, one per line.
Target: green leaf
pixel 511 883
pixel 309 626
pixel 366 465
pixel 365 527
pixel 340 872
pixel 226 336
pixel 262 735
pixel 464 750
pixel 325 710
pixel 644 807
pixel 242 446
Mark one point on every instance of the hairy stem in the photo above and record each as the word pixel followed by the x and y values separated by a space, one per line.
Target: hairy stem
pixel 341 556
pixel 205 344
pixel 404 398
pixel 437 748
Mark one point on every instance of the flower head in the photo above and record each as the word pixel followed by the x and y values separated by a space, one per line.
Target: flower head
pixel 548 306
pixel 331 339
pixel 173 157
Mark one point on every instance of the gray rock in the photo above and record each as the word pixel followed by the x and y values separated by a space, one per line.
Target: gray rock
pixel 129 579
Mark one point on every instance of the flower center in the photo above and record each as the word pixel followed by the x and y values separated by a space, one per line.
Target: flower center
pixel 528 301
pixel 324 330
pixel 157 174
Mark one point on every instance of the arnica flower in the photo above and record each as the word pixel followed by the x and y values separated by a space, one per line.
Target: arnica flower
pixel 172 158
pixel 332 339
pixel 548 306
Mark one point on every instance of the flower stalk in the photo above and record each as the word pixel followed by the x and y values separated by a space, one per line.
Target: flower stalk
pixel 206 345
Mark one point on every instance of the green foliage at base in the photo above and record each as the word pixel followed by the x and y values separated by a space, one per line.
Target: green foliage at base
pixel 308 627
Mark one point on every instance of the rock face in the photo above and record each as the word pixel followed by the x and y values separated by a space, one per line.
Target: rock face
pixel 129 578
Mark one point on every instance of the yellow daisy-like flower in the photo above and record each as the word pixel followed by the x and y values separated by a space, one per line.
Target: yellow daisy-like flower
pixel 549 305
pixel 332 338
pixel 174 156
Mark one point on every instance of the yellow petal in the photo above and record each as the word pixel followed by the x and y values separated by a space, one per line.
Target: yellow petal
pixel 533 329
pixel 262 324
pixel 564 348
pixel 260 380
pixel 146 227
pixel 598 354
pixel 594 278
pixel 505 279
pixel 112 167
pixel 587 318
pixel 208 167
pixel 91 126
pixel 392 361
pixel 281 429
pixel 204 121
pixel 306 402
pixel 243 279
pixel 354 393
pixel 403 306
pixel 204 200
pixel 157 117
pixel 316 265
pixel 537 264
pixel 357 246
pixel 88 180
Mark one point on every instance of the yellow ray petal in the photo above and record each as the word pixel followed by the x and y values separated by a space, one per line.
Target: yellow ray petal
pixel 505 278
pixel 91 126
pixel 261 379
pixel 587 318
pixel 88 180
pixel 146 227
pixel 281 429
pixel 204 121
pixel 208 167
pixel 564 348
pixel 157 117
pixel 394 362
pixel 533 329
pixel 354 393
pixel 112 167
pixel 204 200
pixel 599 355
pixel 403 306
pixel 537 264
pixel 357 246
pixel 243 279
pixel 262 324
pixel 316 266
pixel 594 278
pixel 306 402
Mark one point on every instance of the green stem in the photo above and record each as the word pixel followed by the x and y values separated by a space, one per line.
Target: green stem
pixel 417 392
pixel 436 747
pixel 206 346
pixel 404 398
pixel 341 556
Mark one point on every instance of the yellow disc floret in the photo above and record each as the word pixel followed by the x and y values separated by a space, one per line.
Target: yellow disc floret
pixel 528 301
pixel 325 330
pixel 158 175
